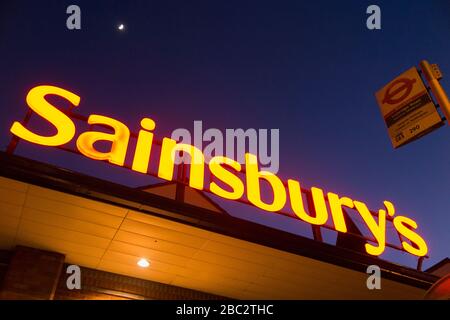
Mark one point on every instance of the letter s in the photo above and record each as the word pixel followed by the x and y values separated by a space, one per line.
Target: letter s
pixel 64 125
pixel 220 172
pixel 404 226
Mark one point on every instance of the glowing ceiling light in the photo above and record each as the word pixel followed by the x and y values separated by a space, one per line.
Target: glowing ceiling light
pixel 143 263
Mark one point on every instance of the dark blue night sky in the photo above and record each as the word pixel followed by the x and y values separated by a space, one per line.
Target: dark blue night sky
pixel 309 68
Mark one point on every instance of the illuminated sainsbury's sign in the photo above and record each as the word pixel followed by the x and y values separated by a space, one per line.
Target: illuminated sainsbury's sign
pixel 224 170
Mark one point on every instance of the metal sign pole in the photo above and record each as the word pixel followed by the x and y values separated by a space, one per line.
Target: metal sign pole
pixel 436 88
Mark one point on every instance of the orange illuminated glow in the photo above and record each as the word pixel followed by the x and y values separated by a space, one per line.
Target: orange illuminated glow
pixel 222 168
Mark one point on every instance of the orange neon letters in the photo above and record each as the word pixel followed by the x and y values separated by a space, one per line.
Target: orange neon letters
pixel 119 140
pixel 143 146
pixel 377 229
pixel 222 168
pixel 167 162
pixel 64 125
pixel 221 173
pixel 404 226
pixel 253 177
pixel 337 214
pixel 299 209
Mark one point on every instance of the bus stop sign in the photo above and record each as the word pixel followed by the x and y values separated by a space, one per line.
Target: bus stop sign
pixel 407 108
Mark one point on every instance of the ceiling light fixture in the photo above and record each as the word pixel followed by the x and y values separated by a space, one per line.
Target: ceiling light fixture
pixel 143 263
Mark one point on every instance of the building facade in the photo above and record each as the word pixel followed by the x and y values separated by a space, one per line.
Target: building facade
pixel 52 218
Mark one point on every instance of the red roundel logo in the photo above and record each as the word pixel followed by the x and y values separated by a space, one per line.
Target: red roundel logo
pixel 398 90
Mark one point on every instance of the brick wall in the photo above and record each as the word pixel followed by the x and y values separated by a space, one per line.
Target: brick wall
pixel 97 284
pixel 33 274
pixel 5 259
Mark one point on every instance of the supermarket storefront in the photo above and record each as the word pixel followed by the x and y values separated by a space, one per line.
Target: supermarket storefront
pixel 195 249
pixel 171 240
